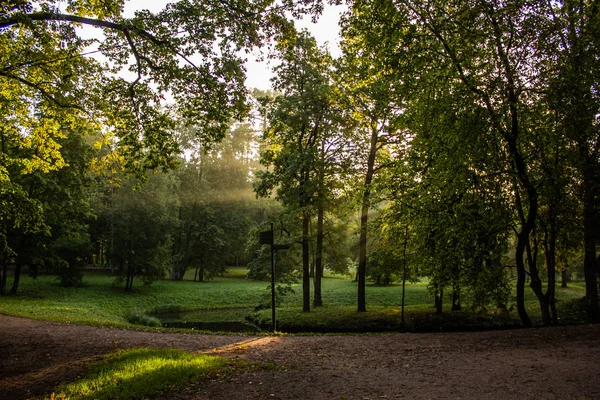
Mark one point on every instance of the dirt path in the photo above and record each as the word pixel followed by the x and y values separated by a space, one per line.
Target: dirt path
pixel 535 363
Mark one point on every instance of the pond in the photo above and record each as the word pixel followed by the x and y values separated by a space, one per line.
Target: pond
pixel 225 320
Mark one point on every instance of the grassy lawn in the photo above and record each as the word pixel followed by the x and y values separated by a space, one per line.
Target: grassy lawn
pixel 232 298
pixel 137 373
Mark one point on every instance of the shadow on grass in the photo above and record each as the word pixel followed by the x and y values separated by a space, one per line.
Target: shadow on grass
pixel 138 373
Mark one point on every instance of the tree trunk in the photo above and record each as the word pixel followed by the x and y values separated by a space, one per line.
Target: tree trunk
pixel 439 299
pixel 16 278
pixel 3 277
pixel 305 262
pixel 527 225
pixel 536 282
pixel 318 301
pixel 129 280
pixel 402 321
pixel 456 306
pixel 364 216
pixel 564 278
pixel 550 251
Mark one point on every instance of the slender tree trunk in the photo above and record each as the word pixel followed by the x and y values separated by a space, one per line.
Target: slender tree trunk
pixel 129 280
pixel 16 278
pixel 536 282
pixel 527 225
pixel 550 251
pixel 362 255
pixel 521 281
pixel 402 320
pixel 456 306
pixel 439 299
pixel 305 263
pixel 564 278
pixel 364 216
pixel 3 277
pixel 318 302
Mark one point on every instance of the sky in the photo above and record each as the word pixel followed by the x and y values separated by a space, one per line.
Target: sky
pixel 325 31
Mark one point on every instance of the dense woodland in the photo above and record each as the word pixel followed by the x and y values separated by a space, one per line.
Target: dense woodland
pixel 454 142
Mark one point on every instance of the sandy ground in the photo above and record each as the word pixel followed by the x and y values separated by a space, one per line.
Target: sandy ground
pixel 543 363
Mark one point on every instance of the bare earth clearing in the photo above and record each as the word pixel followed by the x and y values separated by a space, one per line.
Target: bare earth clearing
pixel 536 363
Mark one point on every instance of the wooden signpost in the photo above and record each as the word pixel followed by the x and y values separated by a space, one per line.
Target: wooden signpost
pixel 266 237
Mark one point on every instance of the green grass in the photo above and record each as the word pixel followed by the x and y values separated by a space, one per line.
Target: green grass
pixel 138 373
pixel 99 302
pixel 232 297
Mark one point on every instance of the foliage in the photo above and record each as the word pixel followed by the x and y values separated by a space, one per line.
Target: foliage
pixel 62 210
pixel 142 222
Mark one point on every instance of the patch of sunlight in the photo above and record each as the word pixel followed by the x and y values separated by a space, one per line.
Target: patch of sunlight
pixel 247 344
pixel 137 373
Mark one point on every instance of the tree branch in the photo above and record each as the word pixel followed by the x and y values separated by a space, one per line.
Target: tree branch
pixel 42 91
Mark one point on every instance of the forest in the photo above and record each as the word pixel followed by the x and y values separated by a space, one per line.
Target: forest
pixel 455 144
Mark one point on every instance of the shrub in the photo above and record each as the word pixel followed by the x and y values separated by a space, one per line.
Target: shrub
pixel 140 318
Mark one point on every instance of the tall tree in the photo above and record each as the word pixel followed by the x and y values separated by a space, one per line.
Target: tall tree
pixel 296 125
pixel 371 93
pixel 571 41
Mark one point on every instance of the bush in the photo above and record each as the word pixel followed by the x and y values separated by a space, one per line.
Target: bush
pixel 140 318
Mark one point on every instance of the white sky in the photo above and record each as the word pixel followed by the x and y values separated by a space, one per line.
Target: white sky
pixel 325 31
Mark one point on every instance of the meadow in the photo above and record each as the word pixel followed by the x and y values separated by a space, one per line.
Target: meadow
pixel 233 298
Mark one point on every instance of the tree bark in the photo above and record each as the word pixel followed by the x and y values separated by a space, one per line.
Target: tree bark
pixel 305 262
pixel 564 278
pixel 402 321
pixel 536 282
pixel 550 251
pixel 318 301
pixel 3 277
pixel 439 299
pixel 16 278
pixel 364 216
pixel 456 306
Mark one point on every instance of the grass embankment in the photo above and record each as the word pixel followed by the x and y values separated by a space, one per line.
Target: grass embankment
pixel 233 297
pixel 138 373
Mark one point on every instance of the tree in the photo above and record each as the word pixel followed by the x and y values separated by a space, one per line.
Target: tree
pixel 144 222
pixel 297 123
pixel 373 99
pixel 59 201
pixel 572 41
